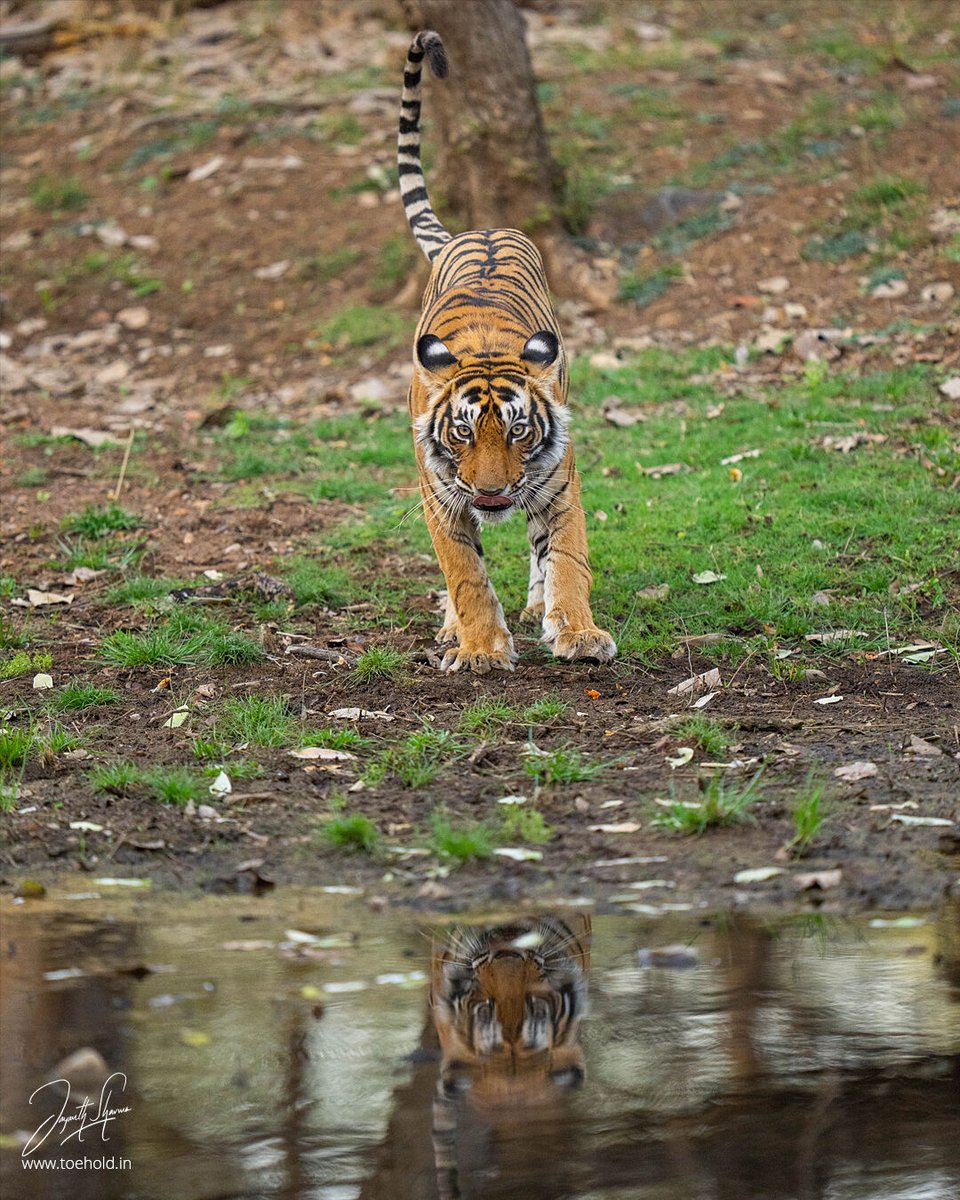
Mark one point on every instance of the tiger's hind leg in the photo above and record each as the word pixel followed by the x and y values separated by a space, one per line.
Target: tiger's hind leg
pixel 533 613
pixel 561 531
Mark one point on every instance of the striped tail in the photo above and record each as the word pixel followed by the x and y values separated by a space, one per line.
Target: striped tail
pixel 428 231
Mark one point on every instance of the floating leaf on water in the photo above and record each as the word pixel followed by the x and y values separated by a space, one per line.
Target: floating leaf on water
pixel 757 874
pixel 677 958
pixel 29 889
pixel 65 973
pixel 351 985
pixel 194 1037
pixel 309 992
pixel 897 922
pixel 401 978
pixel 342 890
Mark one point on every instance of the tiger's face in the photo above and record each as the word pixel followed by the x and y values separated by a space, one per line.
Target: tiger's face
pixel 493 429
pixel 508 1003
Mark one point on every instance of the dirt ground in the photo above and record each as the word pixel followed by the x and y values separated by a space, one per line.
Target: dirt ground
pixel 190 311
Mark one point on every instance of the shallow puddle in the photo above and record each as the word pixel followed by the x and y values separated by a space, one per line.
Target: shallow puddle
pixel 284 1047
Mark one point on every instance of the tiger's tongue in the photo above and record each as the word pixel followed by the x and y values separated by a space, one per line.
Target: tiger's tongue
pixel 492 502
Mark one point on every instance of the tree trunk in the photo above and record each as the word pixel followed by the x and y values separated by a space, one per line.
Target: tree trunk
pixel 493 164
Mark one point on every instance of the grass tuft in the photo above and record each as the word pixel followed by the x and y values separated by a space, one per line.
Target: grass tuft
pixel 458 842
pixel 174 785
pixel 351 831
pixel 545 710
pixel 381 662
pixel 96 522
pixel 562 765
pixel 117 778
pixel 258 721
pixel 486 717
pixel 75 695
pixel 722 805
pixel 808 816
pixel 708 734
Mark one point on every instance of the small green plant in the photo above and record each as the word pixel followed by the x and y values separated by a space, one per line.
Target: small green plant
pixel 51 194
pixel 315 583
pixel 23 663
pixel 486 717
pixel 139 588
pixel 708 734
pixel 95 522
pixel 643 287
pixel 381 662
pixel 808 816
pixel 562 765
pixel 364 325
pixel 461 842
pixel 174 785
pixel 545 710
pixel 117 778
pixel 722 805
pixel 417 760
pixel 257 721
pixel 351 831
pixel 524 824
pixel 17 743
pixel 888 192
pixel 185 639
pixel 333 739
pixel 76 695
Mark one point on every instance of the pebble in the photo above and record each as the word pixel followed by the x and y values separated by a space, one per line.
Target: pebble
pixel 134 318
pixel 776 285
pixel 114 372
pixel 937 293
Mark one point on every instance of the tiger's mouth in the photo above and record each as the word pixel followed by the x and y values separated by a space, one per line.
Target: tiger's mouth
pixel 496 503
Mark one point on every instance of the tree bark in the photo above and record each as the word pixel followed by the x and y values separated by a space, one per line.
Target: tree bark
pixel 493 167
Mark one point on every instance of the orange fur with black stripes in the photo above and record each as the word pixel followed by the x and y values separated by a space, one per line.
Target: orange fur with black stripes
pixel 507 1004
pixel 488 402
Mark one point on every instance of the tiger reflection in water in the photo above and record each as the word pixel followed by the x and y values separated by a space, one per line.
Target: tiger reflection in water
pixel 507 1003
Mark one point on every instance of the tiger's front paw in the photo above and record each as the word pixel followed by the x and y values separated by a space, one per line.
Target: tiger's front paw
pixel 479 659
pixel 585 643
pixel 449 635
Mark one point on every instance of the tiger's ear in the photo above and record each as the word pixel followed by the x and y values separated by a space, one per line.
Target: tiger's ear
pixel 542 349
pixel 433 355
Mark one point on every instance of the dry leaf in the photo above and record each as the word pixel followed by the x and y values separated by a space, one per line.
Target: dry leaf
pixel 38 599
pixel 42 681
pixel 681 758
pixel 89 437
pixel 828 700
pixel 924 748
pixel 177 718
pixel 833 635
pixel 625 827
pixel 705 577
pixel 818 879
pixel 706 681
pixel 354 714
pixel 905 819
pixel 519 854
pixel 856 771
pixel 757 874
pixel 735 458
pixel 323 753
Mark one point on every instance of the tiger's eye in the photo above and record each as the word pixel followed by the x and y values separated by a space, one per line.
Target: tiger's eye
pixel 520 429
pixel 463 432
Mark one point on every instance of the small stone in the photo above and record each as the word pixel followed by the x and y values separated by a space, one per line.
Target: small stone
pixel 937 293
pixel 112 235
pixel 950 388
pixel 115 372
pixel 12 377
pixel 776 285
pixel 891 290
pixel 134 318
pixel 815 345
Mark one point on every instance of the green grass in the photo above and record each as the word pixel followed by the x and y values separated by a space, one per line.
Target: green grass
pixel 334 739
pixel 643 287
pixel 460 842
pixel 22 663
pixel 351 831
pixel 53 194
pixel 381 663
pixel 118 778
pixel 174 785
pixel 258 721
pixel 562 765
pixel 486 717
pixel 545 710
pixel 702 731
pixel 76 695
pixel 364 325
pixel 184 639
pixel 416 760
pixel 522 823
pixel 809 812
pixel 18 740
pixel 96 522
pixel 139 588
pixel 722 804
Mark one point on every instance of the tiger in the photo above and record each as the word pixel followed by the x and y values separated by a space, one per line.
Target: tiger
pixel 488 407
pixel 507 1003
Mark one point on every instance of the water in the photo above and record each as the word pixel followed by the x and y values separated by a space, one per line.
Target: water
pixel 283 1047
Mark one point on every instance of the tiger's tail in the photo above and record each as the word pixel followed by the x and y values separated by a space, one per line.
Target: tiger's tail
pixel 426 227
